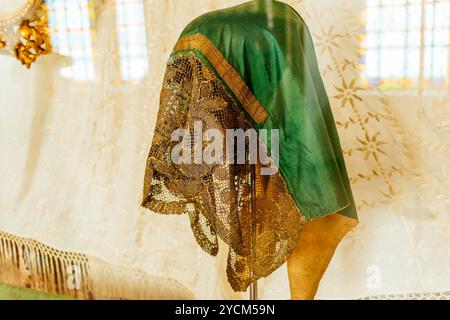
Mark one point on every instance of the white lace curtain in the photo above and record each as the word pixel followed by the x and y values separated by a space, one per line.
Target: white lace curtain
pixel 73 156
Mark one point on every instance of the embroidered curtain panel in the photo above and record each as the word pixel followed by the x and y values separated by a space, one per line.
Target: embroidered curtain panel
pixel 73 153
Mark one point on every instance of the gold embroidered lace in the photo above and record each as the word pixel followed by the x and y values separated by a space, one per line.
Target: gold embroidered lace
pixel 254 214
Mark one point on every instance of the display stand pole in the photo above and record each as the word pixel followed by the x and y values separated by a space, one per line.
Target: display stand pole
pixel 254 284
pixel 254 290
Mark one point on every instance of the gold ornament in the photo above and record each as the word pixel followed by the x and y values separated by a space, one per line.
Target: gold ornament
pixel 2 43
pixel 34 38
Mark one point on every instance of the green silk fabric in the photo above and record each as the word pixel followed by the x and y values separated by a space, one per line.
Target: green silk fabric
pixel 270 46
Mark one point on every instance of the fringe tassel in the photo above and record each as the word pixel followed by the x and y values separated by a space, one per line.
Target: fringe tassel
pixel 31 264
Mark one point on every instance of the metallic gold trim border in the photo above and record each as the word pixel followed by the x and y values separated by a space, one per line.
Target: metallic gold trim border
pixel 231 77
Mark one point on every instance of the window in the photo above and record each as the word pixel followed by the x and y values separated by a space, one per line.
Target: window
pixel 130 24
pixel 407 43
pixel 71 23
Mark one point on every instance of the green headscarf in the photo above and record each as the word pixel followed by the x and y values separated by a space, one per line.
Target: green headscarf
pixel 270 47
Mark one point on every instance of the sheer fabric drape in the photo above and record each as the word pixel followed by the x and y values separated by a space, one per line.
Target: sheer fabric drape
pixel 73 154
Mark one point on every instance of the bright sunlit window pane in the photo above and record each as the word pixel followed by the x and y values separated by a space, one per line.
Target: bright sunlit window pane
pixel 71 24
pixel 407 42
pixel 130 23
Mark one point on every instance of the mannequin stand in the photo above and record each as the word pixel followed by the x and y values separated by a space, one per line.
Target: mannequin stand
pixel 254 284
pixel 254 290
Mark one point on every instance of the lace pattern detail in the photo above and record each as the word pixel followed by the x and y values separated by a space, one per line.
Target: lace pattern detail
pixel 218 198
pixel 412 296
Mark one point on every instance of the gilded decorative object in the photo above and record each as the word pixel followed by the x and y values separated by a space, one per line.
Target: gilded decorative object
pixel 34 38
pixel 23 29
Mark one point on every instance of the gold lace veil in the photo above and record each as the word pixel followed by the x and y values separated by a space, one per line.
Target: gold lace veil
pixel 254 214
